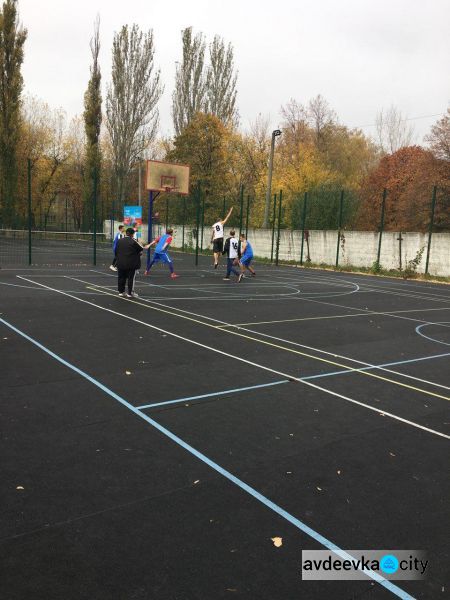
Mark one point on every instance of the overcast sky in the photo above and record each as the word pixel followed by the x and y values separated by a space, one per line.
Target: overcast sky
pixel 361 55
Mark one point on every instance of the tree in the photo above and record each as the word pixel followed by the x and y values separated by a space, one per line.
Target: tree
pixel 393 131
pixel 221 82
pixel 131 103
pixel 189 95
pixel 409 176
pixel 92 123
pixel 439 138
pixel 203 144
pixel 12 40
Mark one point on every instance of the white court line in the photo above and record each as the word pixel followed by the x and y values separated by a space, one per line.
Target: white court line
pixel 367 287
pixel 333 354
pixel 243 360
pixel 348 369
pixel 364 314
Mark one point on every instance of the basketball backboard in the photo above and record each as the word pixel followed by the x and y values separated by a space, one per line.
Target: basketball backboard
pixel 167 177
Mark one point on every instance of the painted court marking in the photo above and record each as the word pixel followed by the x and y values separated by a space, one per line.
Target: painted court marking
pixel 216 467
pixel 243 360
pixel 153 305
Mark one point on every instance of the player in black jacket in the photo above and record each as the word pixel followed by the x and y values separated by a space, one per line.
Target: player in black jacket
pixel 128 261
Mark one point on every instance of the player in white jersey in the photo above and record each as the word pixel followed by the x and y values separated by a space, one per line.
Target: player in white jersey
pixel 217 237
pixel 231 251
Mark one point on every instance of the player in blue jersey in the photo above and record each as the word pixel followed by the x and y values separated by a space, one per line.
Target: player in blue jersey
pixel 246 257
pixel 162 245
pixel 119 235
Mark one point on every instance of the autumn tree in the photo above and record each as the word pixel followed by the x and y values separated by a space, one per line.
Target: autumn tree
pixel 131 103
pixel 12 41
pixel 221 80
pixel 92 123
pixel 439 137
pixel 203 144
pixel 189 95
pixel 409 176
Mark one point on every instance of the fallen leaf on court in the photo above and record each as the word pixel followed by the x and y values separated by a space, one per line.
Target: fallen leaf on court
pixel 20 487
pixel 196 481
pixel 277 541
pixel 320 489
pixel 291 434
pixel 288 472
pixel 391 453
pixel 186 404
pixel 127 372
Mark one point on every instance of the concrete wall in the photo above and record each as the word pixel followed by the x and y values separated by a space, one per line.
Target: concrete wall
pixel 357 248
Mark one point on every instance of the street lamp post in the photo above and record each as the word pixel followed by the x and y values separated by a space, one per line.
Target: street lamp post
pixel 140 184
pixel 275 134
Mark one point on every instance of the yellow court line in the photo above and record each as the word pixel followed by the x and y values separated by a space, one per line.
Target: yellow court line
pixel 292 350
pixel 368 313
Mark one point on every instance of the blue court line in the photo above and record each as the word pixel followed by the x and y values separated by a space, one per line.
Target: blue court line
pixel 243 389
pixel 263 385
pixel 391 364
pixel 241 484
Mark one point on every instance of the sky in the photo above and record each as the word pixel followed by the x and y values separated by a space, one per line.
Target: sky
pixel 362 56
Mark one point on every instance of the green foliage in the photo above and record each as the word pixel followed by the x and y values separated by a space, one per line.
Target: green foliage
pixel 376 268
pixel 12 40
pixel 413 264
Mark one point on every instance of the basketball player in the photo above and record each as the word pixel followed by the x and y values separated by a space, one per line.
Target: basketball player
pixel 162 245
pixel 231 251
pixel 217 237
pixel 246 257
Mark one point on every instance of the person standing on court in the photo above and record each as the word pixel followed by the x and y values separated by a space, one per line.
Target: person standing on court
pixel 119 235
pixel 217 237
pixel 128 261
pixel 231 251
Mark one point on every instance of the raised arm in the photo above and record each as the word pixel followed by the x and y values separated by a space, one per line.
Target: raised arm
pixel 228 216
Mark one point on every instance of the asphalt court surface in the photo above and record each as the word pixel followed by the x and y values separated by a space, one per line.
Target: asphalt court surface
pixel 189 427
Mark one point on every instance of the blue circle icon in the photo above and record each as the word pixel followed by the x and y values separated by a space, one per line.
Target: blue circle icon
pixel 389 564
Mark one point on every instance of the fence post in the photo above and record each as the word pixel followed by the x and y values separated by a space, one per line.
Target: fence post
pixel 149 228
pixel 279 226
pixel 242 208
pixel 383 204
pixel 247 215
pixel 203 223
pixel 430 230
pixel 29 210
pixel 305 199
pixel 341 204
pixel 273 224
pixel 184 221
pixel 197 222
pixel 94 210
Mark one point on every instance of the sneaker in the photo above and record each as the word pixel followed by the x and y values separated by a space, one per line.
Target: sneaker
pixel 135 295
pixel 240 278
pixel 113 268
pixel 129 296
pixel 174 276
pixel 122 294
pixel 226 279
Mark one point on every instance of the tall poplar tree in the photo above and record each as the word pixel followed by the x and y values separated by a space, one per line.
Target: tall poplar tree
pixel 131 102
pixel 221 81
pixel 189 95
pixel 92 124
pixel 12 40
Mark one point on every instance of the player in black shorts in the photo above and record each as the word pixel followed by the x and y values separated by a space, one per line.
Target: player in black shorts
pixel 217 237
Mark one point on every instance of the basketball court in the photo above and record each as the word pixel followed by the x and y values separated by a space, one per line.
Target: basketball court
pixel 189 444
